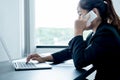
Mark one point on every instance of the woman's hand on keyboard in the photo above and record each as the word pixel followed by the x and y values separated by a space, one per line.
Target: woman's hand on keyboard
pixel 35 57
pixel 39 58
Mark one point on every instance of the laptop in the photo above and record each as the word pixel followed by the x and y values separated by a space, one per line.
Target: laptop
pixel 20 64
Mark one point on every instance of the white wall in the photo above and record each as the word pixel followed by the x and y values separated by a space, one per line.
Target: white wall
pixel 10 28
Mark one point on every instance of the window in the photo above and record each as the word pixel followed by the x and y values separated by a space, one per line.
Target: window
pixel 54 21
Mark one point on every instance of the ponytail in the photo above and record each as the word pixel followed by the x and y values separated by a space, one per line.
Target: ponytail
pixel 112 16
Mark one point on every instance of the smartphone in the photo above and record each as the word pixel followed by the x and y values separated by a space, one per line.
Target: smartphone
pixel 92 17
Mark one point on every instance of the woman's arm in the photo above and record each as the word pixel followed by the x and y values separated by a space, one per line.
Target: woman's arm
pixel 101 45
pixel 62 55
pixel 57 57
pixel 38 58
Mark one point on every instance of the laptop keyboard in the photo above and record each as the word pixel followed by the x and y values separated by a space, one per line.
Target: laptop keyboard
pixel 24 65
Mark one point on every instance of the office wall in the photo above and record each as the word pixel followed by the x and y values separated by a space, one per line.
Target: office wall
pixel 10 28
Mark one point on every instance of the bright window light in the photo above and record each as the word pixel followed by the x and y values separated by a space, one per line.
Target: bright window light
pixel 54 21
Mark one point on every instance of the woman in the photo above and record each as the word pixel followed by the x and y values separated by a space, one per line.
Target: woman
pixel 102 46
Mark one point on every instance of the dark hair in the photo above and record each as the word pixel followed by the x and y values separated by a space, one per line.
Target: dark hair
pixel 106 10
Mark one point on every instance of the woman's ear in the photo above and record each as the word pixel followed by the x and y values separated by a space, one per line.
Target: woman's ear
pixel 96 11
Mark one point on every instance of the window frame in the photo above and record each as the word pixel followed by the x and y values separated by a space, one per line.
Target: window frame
pixel 29 45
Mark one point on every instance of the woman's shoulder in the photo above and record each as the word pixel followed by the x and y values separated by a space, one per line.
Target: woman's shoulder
pixel 107 28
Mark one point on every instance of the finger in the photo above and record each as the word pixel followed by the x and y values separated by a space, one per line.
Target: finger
pixel 37 59
pixel 35 55
pixel 28 58
pixel 27 61
pixel 34 58
pixel 31 56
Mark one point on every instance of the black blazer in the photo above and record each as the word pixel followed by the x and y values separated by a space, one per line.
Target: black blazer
pixel 101 49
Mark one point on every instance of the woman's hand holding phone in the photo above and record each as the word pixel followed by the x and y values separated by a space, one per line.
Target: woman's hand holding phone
pixel 83 22
pixel 80 24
